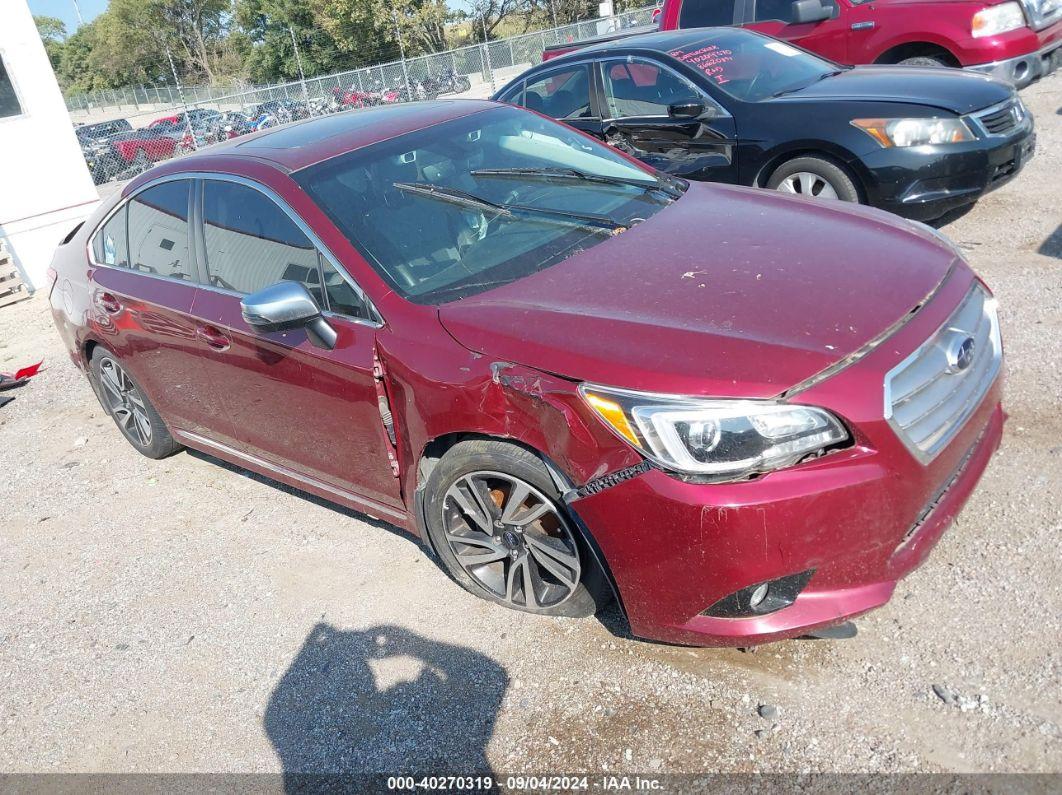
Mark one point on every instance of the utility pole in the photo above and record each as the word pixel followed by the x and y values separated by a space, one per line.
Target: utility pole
pixel 402 53
pixel 302 74
pixel 180 91
pixel 77 10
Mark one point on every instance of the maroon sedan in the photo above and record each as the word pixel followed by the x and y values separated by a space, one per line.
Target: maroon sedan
pixel 744 415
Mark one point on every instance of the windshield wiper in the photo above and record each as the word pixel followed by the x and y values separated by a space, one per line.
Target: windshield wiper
pixel 802 86
pixel 575 175
pixel 601 223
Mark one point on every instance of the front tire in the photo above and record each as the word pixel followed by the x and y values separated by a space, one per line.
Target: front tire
pixel 814 177
pixel 496 520
pixel 924 60
pixel 132 412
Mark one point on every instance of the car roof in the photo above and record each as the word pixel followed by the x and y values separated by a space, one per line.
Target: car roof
pixel 657 41
pixel 299 144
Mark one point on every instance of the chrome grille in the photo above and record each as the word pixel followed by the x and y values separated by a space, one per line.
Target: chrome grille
pixel 931 393
pixel 1002 119
pixel 1042 13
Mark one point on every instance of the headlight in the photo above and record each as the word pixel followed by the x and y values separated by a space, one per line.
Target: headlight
pixel 915 132
pixel 722 439
pixel 994 20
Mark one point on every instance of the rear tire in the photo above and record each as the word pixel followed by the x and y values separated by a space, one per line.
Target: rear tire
pixel 129 407
pixel 814 177
pixel 478 504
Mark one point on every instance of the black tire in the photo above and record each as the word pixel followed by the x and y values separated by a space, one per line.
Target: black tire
pixel 157 442
pixel 832 174
pixel 472 458
pixel 924 60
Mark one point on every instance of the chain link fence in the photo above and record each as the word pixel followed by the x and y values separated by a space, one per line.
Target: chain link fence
pixel 119 145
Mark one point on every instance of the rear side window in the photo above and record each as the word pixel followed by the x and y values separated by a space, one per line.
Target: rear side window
pixel 158 231
pixel 707 13
pixel 110 247
pixel 561 95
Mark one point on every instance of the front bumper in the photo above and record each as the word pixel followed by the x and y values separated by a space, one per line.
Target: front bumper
pixel 1024 69
pixel 861 518
pixel 927 182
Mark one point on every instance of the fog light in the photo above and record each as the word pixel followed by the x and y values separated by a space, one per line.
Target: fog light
pixel 760 598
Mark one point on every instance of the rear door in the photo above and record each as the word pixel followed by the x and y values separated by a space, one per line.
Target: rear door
pixel 636 94
pixel 311 411
pixel 828 38
pixel 145 278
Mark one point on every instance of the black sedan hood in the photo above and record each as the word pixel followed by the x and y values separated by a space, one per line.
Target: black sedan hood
pixel 950 89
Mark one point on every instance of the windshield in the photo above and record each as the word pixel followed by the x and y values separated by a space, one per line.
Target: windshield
pixel 441 214
pixel 752 67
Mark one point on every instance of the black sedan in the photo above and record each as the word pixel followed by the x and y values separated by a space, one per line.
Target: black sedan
pixel 731 105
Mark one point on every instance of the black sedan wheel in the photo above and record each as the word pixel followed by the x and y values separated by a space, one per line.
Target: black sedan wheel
pixel 815 178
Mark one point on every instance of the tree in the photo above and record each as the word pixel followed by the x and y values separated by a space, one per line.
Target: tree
pixel 366 29
pixel 486 15
pixel 269 26
pixel 53 33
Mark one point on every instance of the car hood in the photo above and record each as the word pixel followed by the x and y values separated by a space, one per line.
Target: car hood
pixel 729 291
pixel 950 89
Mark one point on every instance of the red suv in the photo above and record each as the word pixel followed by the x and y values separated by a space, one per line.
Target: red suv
pixel 745 414
pixel 1016 40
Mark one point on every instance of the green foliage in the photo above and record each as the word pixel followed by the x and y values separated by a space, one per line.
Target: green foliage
pixel 268 26
pixel 53 33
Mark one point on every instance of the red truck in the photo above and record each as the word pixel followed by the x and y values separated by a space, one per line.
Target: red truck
pixel 1017 40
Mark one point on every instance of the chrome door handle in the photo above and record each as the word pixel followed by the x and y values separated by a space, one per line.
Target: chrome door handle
pixel 108 303
pixel 862 25
pixel 213 337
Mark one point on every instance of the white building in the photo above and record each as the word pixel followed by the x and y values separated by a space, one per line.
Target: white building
pixel 45 186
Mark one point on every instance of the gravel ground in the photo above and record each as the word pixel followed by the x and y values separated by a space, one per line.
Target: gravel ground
pixel 185 616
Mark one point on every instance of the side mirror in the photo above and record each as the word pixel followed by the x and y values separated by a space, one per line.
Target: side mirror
pixel 810 11
pixel 288 305
pixel 690 109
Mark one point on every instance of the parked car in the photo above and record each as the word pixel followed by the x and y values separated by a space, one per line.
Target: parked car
pixel 91 133
pixel 124 155
pixel 95 146
pixel 1016 40
pixel 731 105
pixel 610 381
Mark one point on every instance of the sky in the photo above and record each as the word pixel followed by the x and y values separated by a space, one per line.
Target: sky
pixel 64 9
pixel 90 9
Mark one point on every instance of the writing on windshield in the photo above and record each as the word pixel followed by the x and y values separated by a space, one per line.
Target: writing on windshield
pixel 711 59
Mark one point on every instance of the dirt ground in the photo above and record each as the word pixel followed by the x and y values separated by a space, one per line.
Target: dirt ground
pixel 184 615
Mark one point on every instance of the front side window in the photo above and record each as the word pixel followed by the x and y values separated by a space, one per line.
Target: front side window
pixel 479 201
pixel 252 243
pixel 158 231
pixel 780 10
pixel 9 104
pixel 110 246
pixel 706 13
pixel 643 89
pixel 752 67
pixel 561 95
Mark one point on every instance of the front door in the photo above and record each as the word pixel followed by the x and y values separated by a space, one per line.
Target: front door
pixel 828 37
pixel 636 96
pixel 312 411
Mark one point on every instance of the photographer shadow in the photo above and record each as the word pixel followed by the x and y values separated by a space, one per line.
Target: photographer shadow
pixel 383 701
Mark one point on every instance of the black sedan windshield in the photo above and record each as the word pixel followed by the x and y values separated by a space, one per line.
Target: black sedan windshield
pixel 752 67
pixel 480 201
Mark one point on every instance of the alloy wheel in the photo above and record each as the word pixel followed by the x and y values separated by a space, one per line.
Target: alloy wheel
pixel 804 183
pixel 125 402
pixel 511 539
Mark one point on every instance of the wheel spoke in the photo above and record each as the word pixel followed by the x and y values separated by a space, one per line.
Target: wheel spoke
pixel 134 397
pixel 143 426
pixel 563 566
pixel 124 416
pixel 473 540
pixel 530 599
pixel 493 555
pixel 470 506
pixel 110 381
pixel 517 497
